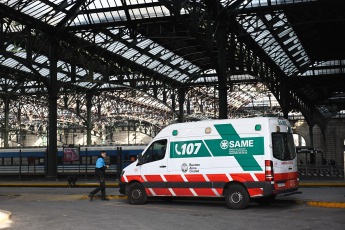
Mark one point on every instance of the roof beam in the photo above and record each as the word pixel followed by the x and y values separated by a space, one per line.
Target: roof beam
pixel 72 13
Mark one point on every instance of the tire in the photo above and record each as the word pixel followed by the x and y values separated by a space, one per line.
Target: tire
pixel 265 200
pixel 236 197
pixel 137 194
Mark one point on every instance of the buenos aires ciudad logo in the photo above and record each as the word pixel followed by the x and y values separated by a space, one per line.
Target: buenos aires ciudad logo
pixel 184 167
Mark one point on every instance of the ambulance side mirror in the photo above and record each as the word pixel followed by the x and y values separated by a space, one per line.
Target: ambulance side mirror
pixel 140 159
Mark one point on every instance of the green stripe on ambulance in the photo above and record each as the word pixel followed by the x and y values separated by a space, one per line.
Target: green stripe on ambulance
pixel 230 144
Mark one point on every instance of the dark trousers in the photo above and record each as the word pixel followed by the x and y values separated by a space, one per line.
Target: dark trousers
pixel 101 188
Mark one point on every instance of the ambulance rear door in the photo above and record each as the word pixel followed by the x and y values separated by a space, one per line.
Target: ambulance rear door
pixel 284 157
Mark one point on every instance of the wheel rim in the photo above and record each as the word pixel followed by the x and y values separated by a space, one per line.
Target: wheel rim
pixel 236 197
pixel 136 194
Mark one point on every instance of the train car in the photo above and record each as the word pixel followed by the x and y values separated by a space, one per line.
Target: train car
pixel 33 160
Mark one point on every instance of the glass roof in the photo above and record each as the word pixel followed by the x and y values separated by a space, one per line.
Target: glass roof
pixel 115 50
pixel 325 68
pixel 282 45
pixel 104 11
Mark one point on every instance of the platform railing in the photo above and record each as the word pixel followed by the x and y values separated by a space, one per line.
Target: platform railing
pixel 321 172
pixel 61 169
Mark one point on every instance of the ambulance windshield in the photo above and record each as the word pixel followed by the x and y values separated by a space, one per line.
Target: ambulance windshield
pixel 283 146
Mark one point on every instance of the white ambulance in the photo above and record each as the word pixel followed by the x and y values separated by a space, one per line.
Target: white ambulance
pixel 237 159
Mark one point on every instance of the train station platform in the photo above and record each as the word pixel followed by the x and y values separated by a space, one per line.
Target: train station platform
pixel 115 183
pixel 320 193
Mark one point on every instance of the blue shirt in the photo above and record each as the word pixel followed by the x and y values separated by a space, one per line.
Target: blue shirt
pixel 100 162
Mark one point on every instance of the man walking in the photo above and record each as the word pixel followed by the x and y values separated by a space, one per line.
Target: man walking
pixel 100 173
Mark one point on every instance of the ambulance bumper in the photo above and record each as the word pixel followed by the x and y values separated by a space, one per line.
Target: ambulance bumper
pixel 269 189
pixel 123 187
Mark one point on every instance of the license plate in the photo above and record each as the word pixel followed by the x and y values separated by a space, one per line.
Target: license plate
pixel 280 185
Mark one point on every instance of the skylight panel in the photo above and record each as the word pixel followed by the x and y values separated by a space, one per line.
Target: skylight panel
pixel 97 76
pixel 181 77
pixel 142 59
pixel 41 59
pixel 118 46
pixel 135 14
pixel 193 69
pixel 61 76
pixel 161 11
pixel 143 44
pixel 85 84
pixel 153 64
pixel 130 53
pixel 174 73
pixel 185 65
pixel 44 72
pixel 165 69
pixel 176 60
pixel 24 68
pixel 10 62
pixel 167 55
pixel 21 54
pixel 290 40
pixel 156 50
pixel 82 73
pixel 264 36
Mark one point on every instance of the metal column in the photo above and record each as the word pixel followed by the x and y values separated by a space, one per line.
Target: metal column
pixel 6 128
pixel 89 120
pixel 181 94
pixel 284 99
pixel 53 94
pixel 311 136
pixel 221 35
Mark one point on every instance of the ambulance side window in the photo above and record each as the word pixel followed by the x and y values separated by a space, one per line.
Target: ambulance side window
pixel 155 152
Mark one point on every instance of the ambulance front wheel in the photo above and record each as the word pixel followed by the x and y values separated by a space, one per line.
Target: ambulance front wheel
pixel 137 194
pixel 236 197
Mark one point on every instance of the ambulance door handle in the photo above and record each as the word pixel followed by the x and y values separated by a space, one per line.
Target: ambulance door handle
pixel 162 166
pixel 290 168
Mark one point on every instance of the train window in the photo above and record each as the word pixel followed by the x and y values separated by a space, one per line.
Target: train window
pixel 7 161
pixel 94 159
pixel 113 160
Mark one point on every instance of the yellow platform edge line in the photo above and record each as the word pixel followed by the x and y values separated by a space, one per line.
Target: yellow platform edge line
pixel 108 196
pixel 321 184
pixel 323 204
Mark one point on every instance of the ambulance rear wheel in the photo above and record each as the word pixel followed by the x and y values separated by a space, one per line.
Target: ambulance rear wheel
pixel 137 194
pixel 236 197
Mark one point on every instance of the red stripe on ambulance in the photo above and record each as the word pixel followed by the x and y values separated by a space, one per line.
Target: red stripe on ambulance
pixel 204 191
pixel 148 192
pixel 218 177
pixel 153 178
pixel 183 192
pixel 220 191
pixel 255 192
pixel 160 191
pixel 241 177
pixel 260 176
pixel 195 177
pixel 285 176
pixel 174 178
pixel 134 177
